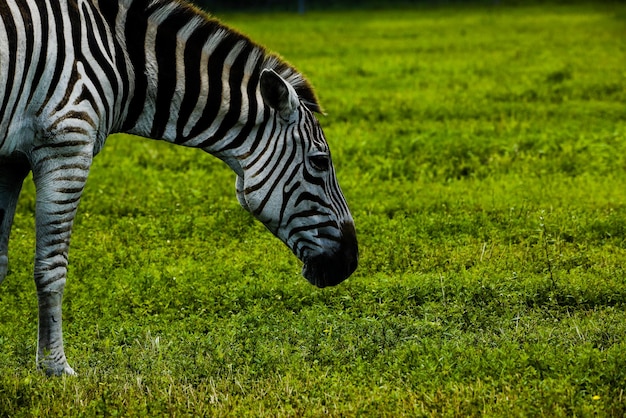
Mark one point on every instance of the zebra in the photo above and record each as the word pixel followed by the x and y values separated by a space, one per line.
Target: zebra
pixel 72 72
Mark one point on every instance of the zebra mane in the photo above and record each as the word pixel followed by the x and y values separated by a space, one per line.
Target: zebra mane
pixel 204 21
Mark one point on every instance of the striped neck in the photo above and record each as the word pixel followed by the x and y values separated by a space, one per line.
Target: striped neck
pixel 196 80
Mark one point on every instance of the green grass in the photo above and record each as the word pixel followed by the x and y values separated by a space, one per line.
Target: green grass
pixel 483 154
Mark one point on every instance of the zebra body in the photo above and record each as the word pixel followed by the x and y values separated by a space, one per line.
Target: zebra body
pixel 74 71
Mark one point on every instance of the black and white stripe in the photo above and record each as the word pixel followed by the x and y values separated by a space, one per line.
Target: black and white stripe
pixel 74 71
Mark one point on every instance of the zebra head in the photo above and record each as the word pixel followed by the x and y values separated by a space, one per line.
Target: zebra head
pixel 288 182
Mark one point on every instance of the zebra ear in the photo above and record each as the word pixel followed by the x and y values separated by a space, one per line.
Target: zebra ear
pixel 278 94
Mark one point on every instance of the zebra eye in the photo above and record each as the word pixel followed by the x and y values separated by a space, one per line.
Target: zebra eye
pixel 320 162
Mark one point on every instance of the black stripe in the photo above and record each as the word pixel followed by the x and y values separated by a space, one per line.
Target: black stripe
pixel 68 155
pixel 11 32
pixel 305 132
pixel 63 144
pixel 193 83
pixel 73 115
pixel 326 224
pixel 105 67
pixel 69 190
pixel 40 274
pixel 74 77
pixel 216 64
pixel 69 166
pixel 304 248
pixel 336 238
pixel 86 95
pixel 306 196
pixel 311 179
pixel 135 34
pixel 27 24
pixel 259 137
pixel 69 177
pixel 309 213
pixel 59 156
pixel 101 34
pixel 76 44
pixel 55 253
pixel 263 171
pixel 251 88
pixel 285 163
pixel 109 10
pixel 62 212
pixel 58 68
pixel 43 52
pixel 235 80
pixel 68 201
pixel 51 240
pixel 287 193
pixel 165 48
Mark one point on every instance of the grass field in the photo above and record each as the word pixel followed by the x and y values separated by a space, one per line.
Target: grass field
pixel 483 154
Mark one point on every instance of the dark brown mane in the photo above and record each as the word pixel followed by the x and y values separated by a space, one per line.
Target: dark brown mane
pixel 207 22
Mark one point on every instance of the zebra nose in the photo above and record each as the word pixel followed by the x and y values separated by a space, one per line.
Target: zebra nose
pixel 333 268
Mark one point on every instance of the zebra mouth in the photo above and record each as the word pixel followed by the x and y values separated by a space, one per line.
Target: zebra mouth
pixel 331 269
pixel 325 271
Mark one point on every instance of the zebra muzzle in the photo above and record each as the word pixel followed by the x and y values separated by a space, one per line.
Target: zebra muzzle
pixel 332 268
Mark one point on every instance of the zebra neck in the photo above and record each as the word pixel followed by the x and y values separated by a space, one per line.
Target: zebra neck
pixel 196 80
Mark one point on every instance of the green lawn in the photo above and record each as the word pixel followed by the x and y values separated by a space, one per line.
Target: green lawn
pixel 483 154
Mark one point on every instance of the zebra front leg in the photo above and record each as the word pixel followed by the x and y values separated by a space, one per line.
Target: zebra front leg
pixel 59 173
pixel 12 174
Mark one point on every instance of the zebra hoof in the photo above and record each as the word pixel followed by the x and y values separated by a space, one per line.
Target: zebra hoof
pixel 69 371
pixel 58 369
